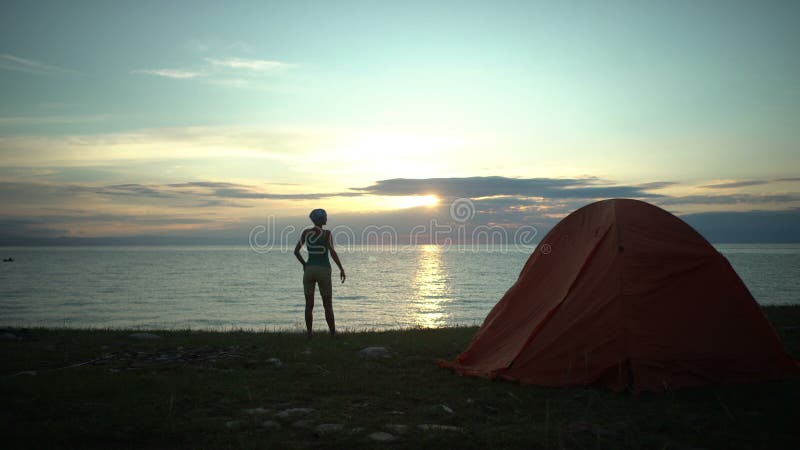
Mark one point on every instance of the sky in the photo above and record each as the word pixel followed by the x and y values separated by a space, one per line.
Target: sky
pixel 204 118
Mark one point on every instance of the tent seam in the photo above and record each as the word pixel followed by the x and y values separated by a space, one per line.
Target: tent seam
pixel 626 356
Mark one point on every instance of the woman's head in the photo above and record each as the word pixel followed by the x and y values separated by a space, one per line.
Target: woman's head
pixel 319 217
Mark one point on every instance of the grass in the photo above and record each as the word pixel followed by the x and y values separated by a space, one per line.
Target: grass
pixel 103 389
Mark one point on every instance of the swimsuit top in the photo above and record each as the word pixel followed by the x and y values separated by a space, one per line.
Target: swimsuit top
pixel 317 246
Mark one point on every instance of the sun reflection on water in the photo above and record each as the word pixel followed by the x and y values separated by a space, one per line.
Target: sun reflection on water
pixel 431 288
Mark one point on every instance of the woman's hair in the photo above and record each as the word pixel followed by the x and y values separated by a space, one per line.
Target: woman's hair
pixel 318 216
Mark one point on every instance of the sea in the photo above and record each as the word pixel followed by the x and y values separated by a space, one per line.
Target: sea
pixel 237 287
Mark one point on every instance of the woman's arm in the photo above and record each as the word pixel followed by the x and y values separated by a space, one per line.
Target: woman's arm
pixel 335 257
pixel 298 247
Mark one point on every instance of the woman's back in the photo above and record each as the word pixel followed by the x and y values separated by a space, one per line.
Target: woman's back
pixel 317 245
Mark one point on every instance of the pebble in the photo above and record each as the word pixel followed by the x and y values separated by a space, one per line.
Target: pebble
pixel 233 424
pixel 271 425
pixel 433 427
pixel 144 336
pixel 258 410
pixel 490 409
pixel 440 409
pixel 397 428
pixel 303 424
pixel 292 412
pixel 275 362
pixel 327 428
pixel 374 352
pixel 380 436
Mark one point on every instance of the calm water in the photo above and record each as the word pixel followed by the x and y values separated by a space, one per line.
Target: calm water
pixel 231 287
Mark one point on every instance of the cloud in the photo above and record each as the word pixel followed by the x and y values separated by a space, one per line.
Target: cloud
pixel 735 184
pixel 745 183
pixel 231 72
pixel 655 185
pixel 179 74
pixel 477 187
pixel 494 194
pixel 47 209
pixel 204 184
pixel 183 143
pixel 199 194
pixel 137 190
pixel 241 191
pixel 150 219
pixel 27 196
pixel 234 153
pixel 49 120
pixel 258 65
pixel 17 64
pixel 27 193
pixel 729 199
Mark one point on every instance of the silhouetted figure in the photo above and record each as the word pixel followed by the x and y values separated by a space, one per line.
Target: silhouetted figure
pixel 317 270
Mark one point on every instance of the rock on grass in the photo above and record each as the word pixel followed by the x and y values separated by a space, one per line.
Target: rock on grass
pixel 258 410
pixel 234 424
pixel 328 428
pixel 397 428
pixel 303 423
pixel 434 427
pixel 439 410
pixel 271 425
pixel 293 412
pixel 374 352
pixel 380 436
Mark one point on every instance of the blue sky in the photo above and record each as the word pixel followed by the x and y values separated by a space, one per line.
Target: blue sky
pixel 117 117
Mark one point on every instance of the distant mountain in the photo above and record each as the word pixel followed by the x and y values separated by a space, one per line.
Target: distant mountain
pixel 717 227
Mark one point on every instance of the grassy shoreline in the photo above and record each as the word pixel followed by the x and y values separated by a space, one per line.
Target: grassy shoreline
pixel 96 388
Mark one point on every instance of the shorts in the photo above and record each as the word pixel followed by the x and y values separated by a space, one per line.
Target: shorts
pixel 320 275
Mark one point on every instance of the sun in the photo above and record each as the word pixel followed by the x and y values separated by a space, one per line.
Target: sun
pixel 417 200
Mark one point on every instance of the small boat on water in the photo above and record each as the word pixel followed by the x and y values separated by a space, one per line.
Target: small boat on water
pixel 8 260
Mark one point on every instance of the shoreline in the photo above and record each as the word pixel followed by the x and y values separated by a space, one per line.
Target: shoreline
pixel 773 313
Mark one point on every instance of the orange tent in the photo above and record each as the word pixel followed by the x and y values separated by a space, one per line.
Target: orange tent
pixel 623 294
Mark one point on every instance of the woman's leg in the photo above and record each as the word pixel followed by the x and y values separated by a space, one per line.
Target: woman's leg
pixel 326 291
pixel 327 303
pixel 308 290
pixel 309 313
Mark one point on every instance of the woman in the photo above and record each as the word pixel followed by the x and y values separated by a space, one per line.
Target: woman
pixel 317 270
